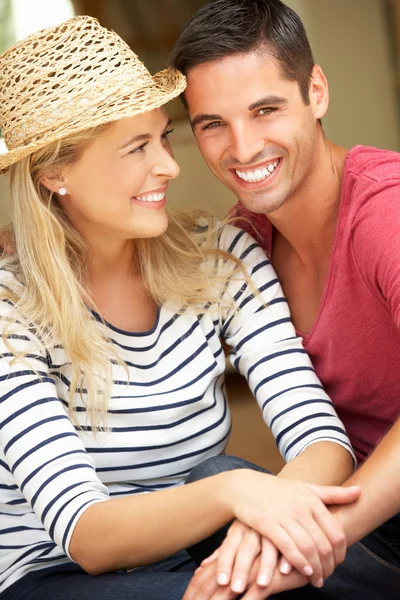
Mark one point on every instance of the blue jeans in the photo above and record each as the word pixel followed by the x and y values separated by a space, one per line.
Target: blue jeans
pixel 165 580
pixel 371 570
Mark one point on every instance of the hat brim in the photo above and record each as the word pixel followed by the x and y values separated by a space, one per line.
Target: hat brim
pixel 166 85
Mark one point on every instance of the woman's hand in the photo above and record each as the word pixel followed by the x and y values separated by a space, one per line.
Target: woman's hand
pixel 236 555
pixel 293 516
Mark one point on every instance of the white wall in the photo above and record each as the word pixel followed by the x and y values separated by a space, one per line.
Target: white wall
pixel 350 41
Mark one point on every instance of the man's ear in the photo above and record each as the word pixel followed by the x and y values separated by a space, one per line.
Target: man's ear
pixel 53 181
pixel 318 92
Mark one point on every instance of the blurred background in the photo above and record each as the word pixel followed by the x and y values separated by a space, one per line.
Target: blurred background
pixel 357 43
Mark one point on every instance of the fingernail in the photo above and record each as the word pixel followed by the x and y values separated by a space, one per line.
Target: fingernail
pixel 319 583
pixel 262 580
pixel 308 571
pixel 285 568
pixel 223 579
pixel 238 586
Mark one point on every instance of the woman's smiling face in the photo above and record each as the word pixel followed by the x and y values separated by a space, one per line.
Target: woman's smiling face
pixel 116 189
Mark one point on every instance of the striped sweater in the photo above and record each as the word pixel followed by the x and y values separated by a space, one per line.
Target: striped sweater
pixel 171 414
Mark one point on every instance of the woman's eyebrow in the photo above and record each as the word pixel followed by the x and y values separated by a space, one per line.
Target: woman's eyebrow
pixel 143 136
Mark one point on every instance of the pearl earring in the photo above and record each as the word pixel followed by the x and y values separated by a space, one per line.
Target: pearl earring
pixel 62 191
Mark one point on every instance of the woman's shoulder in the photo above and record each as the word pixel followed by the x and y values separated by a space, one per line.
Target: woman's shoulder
pixel 237 241
pixel 11 288
pixel 9 274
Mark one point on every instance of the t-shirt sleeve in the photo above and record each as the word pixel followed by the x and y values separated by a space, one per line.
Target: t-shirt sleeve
pixel 376 242
pixel 264 348
pixel 42 450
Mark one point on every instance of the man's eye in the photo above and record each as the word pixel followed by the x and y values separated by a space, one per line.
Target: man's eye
pixel 212 125
pixel 266 111
pixel 138 149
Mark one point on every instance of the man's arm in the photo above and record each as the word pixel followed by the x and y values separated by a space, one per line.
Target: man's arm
pixel 379 479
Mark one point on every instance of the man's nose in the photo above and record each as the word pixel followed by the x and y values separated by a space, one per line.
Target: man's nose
pixel 246 143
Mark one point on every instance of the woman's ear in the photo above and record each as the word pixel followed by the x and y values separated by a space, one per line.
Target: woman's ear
pixel 54 182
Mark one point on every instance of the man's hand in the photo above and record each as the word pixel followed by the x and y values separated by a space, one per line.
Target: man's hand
pixel 204 585
pixel 235 557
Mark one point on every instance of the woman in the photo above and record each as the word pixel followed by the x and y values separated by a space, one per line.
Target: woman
pixel 112 365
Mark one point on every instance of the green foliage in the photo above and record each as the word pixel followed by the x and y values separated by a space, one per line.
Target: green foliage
pixel 6 25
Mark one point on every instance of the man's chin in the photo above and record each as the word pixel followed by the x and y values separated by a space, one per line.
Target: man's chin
pixel 262 206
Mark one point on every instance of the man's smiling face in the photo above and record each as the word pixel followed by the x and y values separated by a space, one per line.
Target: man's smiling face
pixel 253 127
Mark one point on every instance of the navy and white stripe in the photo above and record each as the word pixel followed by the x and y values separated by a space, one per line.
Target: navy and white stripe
pixel 171 414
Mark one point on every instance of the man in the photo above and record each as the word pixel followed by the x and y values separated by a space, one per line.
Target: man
pixel 330 220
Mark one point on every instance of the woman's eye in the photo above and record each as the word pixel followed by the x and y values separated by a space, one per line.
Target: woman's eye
pixel 166 134
pixel 164 137
pixel 138 149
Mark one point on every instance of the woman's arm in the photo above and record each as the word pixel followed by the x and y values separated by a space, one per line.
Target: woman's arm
pixel 265 349
pixel 137 530
pixel 322 463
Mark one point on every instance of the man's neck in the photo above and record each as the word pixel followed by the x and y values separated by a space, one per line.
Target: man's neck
pixel 306 222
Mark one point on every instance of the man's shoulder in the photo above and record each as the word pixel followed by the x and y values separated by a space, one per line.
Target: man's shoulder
pixel 374 164
pixel 371 186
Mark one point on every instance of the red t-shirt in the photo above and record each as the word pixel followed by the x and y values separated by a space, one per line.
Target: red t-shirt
pixel 355 340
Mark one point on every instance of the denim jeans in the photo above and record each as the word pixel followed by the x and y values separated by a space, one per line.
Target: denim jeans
pixel 371 570
pixel 165 580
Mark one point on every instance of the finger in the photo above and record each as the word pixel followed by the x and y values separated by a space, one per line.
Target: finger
pixel 256 593
pixel 284 566
pixel 203 585
pixel 323 548
pixel 336 494
pixel 333 530
pixel 305 558
pixel 224 593
pixel 210 558
pixel 268 561
pixel 227 552
pixel 286 542
pixel 249 548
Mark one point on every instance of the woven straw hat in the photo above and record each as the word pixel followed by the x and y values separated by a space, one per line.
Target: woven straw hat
pixel 71 77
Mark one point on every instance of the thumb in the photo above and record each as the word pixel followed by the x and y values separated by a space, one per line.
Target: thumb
pixel 330 494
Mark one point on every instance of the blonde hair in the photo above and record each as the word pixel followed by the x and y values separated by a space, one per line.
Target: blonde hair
pixel 51 260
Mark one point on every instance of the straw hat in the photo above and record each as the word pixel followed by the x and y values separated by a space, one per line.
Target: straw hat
pixel 71 77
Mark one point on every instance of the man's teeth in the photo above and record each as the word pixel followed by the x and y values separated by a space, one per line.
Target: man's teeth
pixel 259 174
pixel 152 197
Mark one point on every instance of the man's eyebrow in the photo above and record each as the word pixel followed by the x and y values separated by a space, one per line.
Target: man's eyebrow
pixel 144 136
pixel 268 101
pixel 201 118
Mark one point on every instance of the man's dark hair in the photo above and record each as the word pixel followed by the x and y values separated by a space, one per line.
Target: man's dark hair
pixel 225 27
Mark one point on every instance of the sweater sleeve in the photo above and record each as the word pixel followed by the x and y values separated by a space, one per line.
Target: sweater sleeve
pixel 49 463
pixel 265 349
